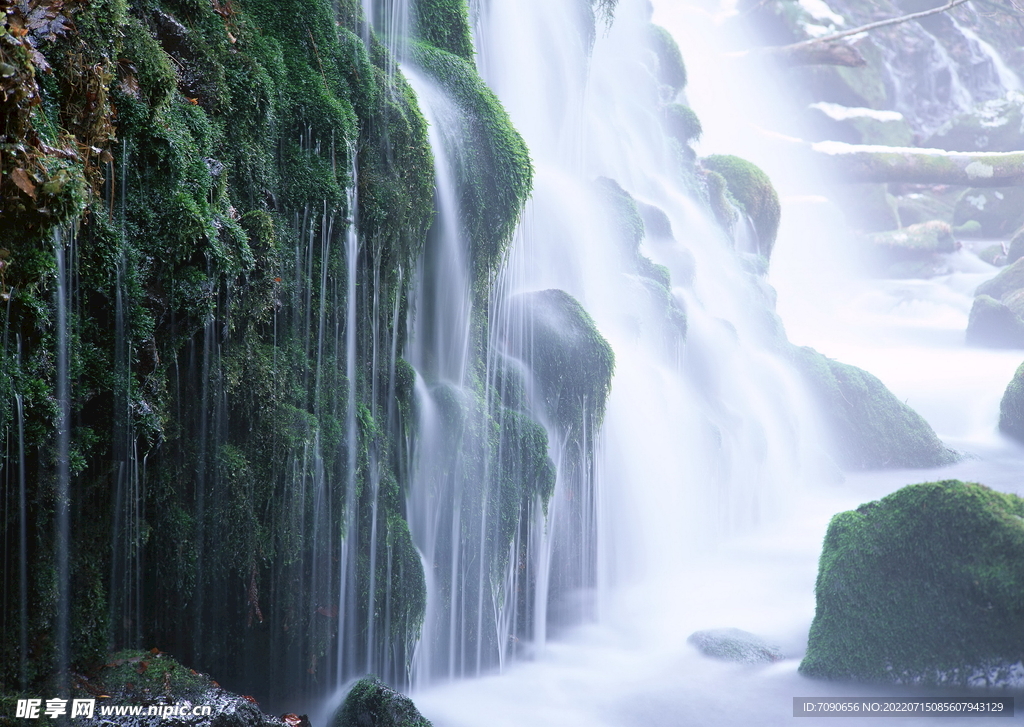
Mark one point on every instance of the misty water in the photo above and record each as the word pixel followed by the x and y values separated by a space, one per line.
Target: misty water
pixel 713 492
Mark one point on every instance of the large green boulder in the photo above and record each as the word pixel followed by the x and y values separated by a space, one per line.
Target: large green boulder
pixel 925 586
pixel 994 324
pixel 1011 408
pixel 867 427
pixel 1009 279
pixel 372 703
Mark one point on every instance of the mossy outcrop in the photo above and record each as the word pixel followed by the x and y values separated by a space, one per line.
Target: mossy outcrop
pixel 670 69
pixel 867 427
pixel 570 359
pixel 493 165
pixel 994 324
pixel 998 211
pixel 752 190
pixel 372 703
pixel 924 586
pixel 1011 407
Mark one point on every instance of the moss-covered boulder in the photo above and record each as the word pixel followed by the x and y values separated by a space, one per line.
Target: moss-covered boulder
pixel 155 681
pixel 570 359
pixel 999 211
pixel 1015 248
pixel 1008 280
pixel 1011 408
pixel 681 123
pixel 925 585
pixel 372 703
pixel 670 69
pixel 735 645
pixel 753 192
pixel 994 324
pixel 866 426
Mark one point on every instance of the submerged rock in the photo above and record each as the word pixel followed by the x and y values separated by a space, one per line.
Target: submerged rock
pixel 915 241
pixel 372 703
pixel 735 645
pixel 1011 408
pixel 925 586
pixel 869 428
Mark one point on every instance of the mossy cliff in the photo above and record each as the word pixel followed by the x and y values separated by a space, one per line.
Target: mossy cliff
pixel 924 586
pixel 240 192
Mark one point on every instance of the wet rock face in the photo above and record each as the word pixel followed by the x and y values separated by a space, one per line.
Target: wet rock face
pixel 924 586
pixel 1011 408
pixel 735 645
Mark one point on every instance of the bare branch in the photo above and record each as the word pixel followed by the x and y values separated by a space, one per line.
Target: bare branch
pixel 878 24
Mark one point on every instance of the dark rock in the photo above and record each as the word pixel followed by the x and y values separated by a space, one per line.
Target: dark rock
pixel 1011 408
pixel 869 428
pixel 372 703
pixel 999 211
pixel 1015 250
pixel 924 586
pixel 993 324
pixel 735 645
pixel 167 692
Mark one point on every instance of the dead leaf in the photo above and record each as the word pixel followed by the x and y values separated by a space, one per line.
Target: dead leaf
pixel 20 177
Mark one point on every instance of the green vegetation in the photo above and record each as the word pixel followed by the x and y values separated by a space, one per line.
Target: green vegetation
pixel 752 191
pixel 671 70
pixel 922 587
pixel 492 162
pixel 371 703
pixel 196 162
pixel 681 123
pixel 868 427
pixel 444 24
pixel 570 359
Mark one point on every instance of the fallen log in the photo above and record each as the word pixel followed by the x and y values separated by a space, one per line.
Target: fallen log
pixel 861 163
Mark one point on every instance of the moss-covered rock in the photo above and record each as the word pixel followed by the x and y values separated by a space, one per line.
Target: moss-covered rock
pixel 1015 248
pixel 372 703
pixel 915 241
pixel 993 324
pixel 156 681
pixel 924 586
pixel 492 162
pixel 867 426
pixel 754 193
pixel 735 645
pixel 622 214
pixel 1008 280
pixel 571 360
pixel 670 71
pixel 681 123
pixel 999 211
pixel 1011 407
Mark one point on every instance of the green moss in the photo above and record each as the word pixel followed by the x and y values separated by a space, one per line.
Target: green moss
pixel 444 24
pixel 922 586
pixel 147 675
pixel 868 427
pixel 371 703
pixel 993 324
pixel 493 164
pixel 1007 281
pixel 753 192
pixel 570 359
pixel 681 123
pixel 671 70
pixel 622 213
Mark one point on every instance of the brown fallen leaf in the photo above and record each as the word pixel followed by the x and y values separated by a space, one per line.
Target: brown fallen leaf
pixel 20 177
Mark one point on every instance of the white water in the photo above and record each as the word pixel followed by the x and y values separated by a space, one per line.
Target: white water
pixel 697 534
